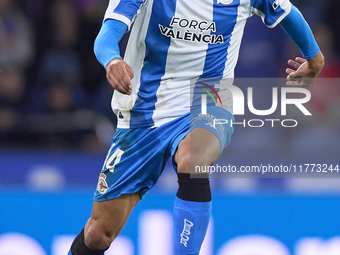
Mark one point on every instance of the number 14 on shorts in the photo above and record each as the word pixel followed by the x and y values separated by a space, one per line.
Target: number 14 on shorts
pixel 112 158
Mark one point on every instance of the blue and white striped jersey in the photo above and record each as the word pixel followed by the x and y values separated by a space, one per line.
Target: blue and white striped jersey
pixel 175 41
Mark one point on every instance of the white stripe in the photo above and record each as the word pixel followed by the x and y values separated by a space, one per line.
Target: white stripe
pixel 119 17
pixel 243 13
pixel 285 5
pixel 191 64
pixel 191 57
pixel 109 14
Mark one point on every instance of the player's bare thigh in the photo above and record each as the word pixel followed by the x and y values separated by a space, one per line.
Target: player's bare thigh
pixel 199 148
pixel 108 219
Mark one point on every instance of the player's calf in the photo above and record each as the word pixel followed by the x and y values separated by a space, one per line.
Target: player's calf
pixel 106 222
pixel 98 236
pixel 80 248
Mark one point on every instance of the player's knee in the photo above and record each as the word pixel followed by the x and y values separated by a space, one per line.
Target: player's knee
pixel 199 158
pixel 98 237
pixel 183 163
pixel 188 160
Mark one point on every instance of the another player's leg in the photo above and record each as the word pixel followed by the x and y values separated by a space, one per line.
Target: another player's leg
pixel 106 222
pixel 193 200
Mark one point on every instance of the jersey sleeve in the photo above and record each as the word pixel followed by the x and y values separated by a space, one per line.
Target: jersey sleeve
pixel 123 10
pixel 271 11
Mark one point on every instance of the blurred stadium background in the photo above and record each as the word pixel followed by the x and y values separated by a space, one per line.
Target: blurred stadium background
pixel 56 126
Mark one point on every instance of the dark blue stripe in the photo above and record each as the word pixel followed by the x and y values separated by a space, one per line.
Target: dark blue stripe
pixel 153 70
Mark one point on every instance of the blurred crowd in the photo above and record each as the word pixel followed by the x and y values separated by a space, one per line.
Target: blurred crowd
pixel 53 92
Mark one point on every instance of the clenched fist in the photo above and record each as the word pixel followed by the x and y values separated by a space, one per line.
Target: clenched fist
pixel 119 75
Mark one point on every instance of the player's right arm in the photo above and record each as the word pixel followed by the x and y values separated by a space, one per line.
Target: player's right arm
pixel 118 18
pixel 106 49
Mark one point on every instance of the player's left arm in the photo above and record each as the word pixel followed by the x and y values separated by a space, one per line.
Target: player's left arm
pixel 302 71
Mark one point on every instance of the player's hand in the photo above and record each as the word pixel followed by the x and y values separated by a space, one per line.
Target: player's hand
pixel 119 75
pixel 303 72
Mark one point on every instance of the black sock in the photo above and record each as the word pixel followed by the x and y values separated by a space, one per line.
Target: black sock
pixel 194 189
pixel 79 247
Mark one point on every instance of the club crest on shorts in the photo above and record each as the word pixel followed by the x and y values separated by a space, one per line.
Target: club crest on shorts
pixel 224 1
pixel 102 184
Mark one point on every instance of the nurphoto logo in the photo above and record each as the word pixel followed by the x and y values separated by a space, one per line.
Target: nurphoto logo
pixel 239 101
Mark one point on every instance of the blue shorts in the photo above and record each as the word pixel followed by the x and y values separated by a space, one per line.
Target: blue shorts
pixel 137 157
